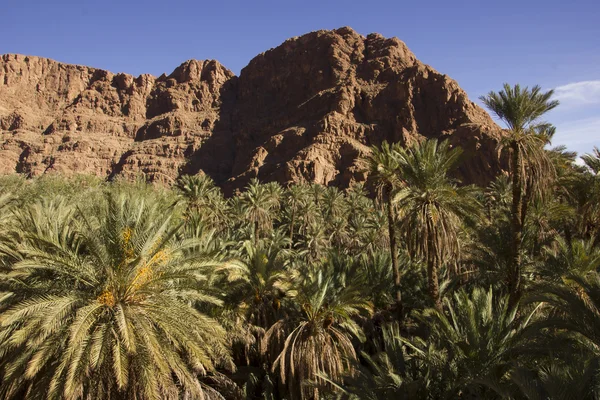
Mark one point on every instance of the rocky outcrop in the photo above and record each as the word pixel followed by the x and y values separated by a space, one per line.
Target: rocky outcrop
pixel 307 110
pixel 73 119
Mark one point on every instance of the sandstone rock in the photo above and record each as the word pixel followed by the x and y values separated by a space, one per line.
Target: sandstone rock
pixel 72 119
pixel 307 110
pixel 310 108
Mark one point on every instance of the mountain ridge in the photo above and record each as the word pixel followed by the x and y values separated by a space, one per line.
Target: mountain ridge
pixel 306 110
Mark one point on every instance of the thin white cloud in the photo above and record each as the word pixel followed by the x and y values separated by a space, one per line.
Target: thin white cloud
pixel 578 135
pixel 578 93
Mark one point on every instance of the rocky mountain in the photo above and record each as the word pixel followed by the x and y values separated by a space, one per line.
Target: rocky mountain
pixel 304 111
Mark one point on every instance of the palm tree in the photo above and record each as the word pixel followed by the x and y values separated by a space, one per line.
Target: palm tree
pixel 497 196
pixel 298 211
pixel 593 161
pixel 577 379
pixel 259 285
pixel 563 259
pixel 384 375
pixel 375 234
pixel 472 348
pixel 432 207
pixel 575 301
pixel 546 219
pixel 314 242
pixel 530 166
pixel 383 166
pixel 7 201
pixel 295 197
pixel 260 281
pixel 203 198
pixel 334 212
pixel 195 188
pixel 332 204
pixel 258 203
pixel 571 330
pixel 317 341
pixel 566 187
pixel 591 204
pixel 102 304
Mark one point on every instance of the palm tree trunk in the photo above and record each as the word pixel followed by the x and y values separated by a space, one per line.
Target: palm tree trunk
pixel 525 201
pixel 394 253
pixel 568 235
pixel 255 233
pixel 432 275
pixel 292 228
pixel 567 230
pixel 434 285
pixel 514 283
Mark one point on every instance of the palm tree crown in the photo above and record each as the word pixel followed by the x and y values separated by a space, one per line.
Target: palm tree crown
pixel 101 305
pixel 519 107
pixel 432 207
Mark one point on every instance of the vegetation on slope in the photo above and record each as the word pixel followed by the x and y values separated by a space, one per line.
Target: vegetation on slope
pixel 426 290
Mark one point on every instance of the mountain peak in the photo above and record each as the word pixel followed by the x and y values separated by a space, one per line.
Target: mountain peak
pixel 306 110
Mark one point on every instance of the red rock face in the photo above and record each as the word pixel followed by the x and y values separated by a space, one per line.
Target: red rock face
pixel 304 111
pixel 73 119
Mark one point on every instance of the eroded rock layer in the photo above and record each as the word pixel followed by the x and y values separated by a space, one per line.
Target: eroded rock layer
pixel 304 111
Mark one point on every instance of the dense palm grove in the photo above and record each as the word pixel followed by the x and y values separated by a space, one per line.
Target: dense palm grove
pixel 412 287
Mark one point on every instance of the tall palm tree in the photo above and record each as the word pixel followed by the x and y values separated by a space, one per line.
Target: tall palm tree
pixel 432 207
pixel 383 166
pixel 521 109
pixel 102 304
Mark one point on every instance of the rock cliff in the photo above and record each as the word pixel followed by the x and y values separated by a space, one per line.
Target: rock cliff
pixel 304 111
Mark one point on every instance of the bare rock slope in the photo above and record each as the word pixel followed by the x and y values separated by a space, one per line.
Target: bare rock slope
pixel 304 111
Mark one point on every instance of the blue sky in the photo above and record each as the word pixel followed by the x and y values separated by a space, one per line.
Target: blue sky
pixel 481 44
